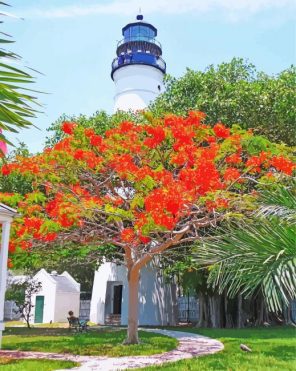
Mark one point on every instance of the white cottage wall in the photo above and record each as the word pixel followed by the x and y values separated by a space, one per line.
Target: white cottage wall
pixel 66 301
pixel 136 86
pixel 48 290
pixel 107 272
pixel 157 300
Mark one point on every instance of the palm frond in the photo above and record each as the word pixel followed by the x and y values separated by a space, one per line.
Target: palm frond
pixel 17 109
pixel 280 201
pixel 249 257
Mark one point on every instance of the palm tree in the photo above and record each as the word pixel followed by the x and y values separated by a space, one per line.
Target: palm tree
pixel 258 254
pixel 16 100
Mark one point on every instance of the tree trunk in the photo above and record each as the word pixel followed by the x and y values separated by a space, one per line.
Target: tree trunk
pixel 215 310
pixel 287 315
pixel 203 320
pixel 133 306
pixel 240 322
pixel 228 317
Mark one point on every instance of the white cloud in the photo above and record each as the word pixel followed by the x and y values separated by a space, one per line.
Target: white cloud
pixel 232 9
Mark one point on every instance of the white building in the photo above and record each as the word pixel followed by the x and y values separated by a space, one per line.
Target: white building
pixel 109 303
pixel 138 72
pixel 59 294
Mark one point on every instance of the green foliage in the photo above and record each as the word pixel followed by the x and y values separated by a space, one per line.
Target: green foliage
pixel 16 293
pixel 236 93
pixel 15 183
pixel 16 100
pixel 257 144
pixel 258 254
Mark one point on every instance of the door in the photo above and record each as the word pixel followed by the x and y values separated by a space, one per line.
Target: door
pixel 117 299
pixel 39 306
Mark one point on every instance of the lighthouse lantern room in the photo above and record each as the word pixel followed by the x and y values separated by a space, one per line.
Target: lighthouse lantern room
pixel 138 69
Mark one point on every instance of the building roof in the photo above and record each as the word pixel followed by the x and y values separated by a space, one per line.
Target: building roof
pixel 64 283
pixel 9 211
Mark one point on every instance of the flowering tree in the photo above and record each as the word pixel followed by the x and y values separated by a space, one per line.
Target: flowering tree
pixel 142 188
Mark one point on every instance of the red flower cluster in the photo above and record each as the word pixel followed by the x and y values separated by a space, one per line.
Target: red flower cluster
pixel 233 159
pixel 157 136
pixel 283 164
pixel 166 205
pixel 68 127
pixel 256 162
pixel 231 174
pixel 78 180
pixel 204 178
pixel 63 211
pixel 89 157
pixel 127 235
pixel 28 165
pixel 96 140
pixel 6 169
pixel 221 131
pixel 220 203
pixel 124 165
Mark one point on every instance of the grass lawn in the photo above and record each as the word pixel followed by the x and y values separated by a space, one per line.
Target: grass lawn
pixel 8 364
pixel 105 342
pixel 272 349
pixel 49 325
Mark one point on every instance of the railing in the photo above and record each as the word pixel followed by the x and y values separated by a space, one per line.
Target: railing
pixel 139 58
pixel 188 309
pixel 139 38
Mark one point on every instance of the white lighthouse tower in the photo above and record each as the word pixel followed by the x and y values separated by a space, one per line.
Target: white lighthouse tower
pixel 138 72
pixel 138 69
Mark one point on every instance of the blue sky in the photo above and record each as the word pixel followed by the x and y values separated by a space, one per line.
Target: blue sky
pixel 73 42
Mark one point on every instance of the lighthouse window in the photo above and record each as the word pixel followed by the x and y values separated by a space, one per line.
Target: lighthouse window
pixel 139 33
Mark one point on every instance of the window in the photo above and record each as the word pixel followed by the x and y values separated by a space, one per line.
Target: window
pixel 139 32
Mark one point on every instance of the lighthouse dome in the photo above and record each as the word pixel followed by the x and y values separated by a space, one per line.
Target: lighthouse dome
pixel 139 46
pixel 138 68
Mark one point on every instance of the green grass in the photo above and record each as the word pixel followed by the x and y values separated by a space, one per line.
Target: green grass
pixel 272 349
pixel 47 325
pixel 8 364
pixel 104 342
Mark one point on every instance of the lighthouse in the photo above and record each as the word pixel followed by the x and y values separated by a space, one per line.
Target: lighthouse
pixel 137 72
pixel 138 69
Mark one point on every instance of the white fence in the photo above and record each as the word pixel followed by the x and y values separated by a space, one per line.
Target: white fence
pixel 84 310
pixel 10 311
pixel 188 309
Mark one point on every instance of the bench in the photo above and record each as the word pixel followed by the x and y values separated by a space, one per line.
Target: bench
pixel 77 324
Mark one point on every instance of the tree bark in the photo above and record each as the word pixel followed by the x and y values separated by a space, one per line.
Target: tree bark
pixel 240 321
pixel 215 310
pixel 133 307
pixel 228 317
pixel 202 320
pixel 287 315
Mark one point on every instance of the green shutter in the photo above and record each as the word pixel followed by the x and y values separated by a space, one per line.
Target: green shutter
pixel 39 309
